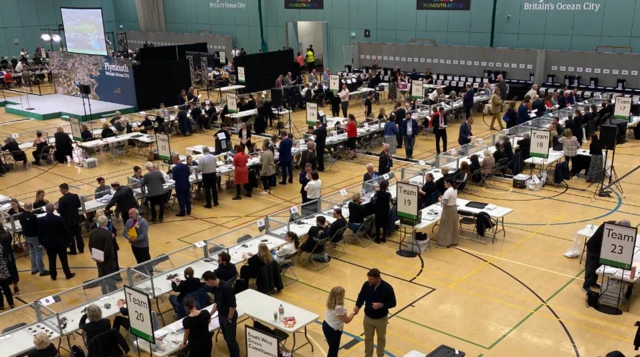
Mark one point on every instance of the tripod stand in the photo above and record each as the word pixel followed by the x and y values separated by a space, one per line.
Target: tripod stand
pixel 609 172
pixel 290 125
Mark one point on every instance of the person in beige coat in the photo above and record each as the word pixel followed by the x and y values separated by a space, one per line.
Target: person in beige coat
pixel 496 108
pixel 268 169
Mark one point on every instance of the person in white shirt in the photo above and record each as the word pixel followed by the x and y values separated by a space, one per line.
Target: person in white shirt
pixel 344 99
pixel 533 92
pixel 448 234
pixel 433 96
pixel 235 52
pixel 326 76
pixel 314 186
pixel 19 67
pixel 293 242
pixel 334 320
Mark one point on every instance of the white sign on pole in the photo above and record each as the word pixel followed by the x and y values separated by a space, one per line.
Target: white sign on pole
pixel 312 113
pixel 241 74
pixel 334 83
pixel 223 58
pixel 164 149
pixel 139 307
pixel 408 205
pixel 76 130
pixel 540 143
pixel 260 344
pixel 618 246
pixel 622 108
pixel 416 89
pixel 232 103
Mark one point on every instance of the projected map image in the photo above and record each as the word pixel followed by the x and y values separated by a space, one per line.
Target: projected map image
pixel 84 31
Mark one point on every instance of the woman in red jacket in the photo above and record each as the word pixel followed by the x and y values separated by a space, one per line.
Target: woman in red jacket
pixel 352 135
pixel 241 174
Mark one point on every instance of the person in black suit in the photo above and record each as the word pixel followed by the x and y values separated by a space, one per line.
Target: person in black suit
pixel 321 139
pixel 440 182
pixel 371 173
pixel 539 105
pixel 68 206
pixel 587 116
pixel 182 98
pixel 12 146
pixel 54 236
pixel 385 162
pixel 103 239
pixel 309 156
pixel 400 113
pixel 577 126
pixel 439 124
pixel 64 146
pixel 305 177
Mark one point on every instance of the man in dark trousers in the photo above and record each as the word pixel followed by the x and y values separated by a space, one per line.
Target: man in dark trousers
pixel 181 174
pixel 467 101
pixel 123 199
pixel 378 297
pixel 209 177
pixel 68 206
pixel 285 159
pixel 102 239
pixel 321 139
pixel 593 256
pixel 54 237
pixel 368 108
pixel 439 123
pixel 225 305
pixel 465 135
pixel 385 160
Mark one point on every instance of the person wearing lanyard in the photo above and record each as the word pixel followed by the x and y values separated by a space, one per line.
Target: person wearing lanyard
pixel 208 169
pixel 225 304
pixel 409 130
pixel 344 99
pixel 439 123
pixel 352 135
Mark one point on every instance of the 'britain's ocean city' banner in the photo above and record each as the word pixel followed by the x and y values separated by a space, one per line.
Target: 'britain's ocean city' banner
pixel 110 79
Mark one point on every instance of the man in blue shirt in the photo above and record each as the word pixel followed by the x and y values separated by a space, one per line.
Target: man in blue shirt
pixel 181 174
pixel 285 157
pixel 409 130
pixel 467 101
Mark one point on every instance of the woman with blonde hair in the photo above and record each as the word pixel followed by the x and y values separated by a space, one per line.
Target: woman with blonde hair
pixel 334 320
pixel 255 262
pixel 382 115
pixel 43 345
pixel 570 146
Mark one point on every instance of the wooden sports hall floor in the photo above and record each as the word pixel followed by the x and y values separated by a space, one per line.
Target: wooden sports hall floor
pixel 516 297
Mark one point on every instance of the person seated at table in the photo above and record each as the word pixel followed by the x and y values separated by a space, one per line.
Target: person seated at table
pixel 146 125
pixel 499 153
pixel 39 143
pixel 511 116
pixel 226 270
pixel 548 103
pixel 312 237
pixel 182 98
pixel 12 146
pixel 15 207
pixel 357 212
pixel 427 194
pixel 184 287
pixel 462 176
pixel 86 134
pixel 102 189
pixel 96 325
pixel 191 162
pixel 184 125
pixel 488 163
pixel 370 174
pixel 255 262
pixel 43 346
pixel 106 131
pixel 440 182
pixel 291 246
pixel 524 146
pixel 40 201
pixel 474 166
pixel 122 321
pixel 507 148
pixel 338 223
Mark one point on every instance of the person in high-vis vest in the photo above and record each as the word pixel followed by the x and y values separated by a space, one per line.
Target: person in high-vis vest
pixel 310 60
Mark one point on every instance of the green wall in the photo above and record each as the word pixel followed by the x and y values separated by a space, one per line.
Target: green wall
pixel 614 24
pixel 23 19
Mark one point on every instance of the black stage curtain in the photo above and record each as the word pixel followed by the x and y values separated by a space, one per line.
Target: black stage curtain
pixel 262 69
pixel 169 53
pixel 160 83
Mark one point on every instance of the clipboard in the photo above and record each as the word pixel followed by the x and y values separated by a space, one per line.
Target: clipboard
pixel 132 232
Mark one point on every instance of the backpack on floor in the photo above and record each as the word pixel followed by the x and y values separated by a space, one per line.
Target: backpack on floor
pixel 593 299
pixel 76 352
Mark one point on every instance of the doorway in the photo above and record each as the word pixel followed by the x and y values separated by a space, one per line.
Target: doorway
pixel 301 34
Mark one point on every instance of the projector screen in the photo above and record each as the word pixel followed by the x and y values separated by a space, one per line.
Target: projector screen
pixel 84 30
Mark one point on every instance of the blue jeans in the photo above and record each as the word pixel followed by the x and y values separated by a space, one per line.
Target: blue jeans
pixel 35 254
pixel 184 201
pixel 354 226
pixel 409 143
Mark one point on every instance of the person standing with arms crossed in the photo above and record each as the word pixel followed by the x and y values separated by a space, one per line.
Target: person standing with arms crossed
pixel 378 297
pixel 225 304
